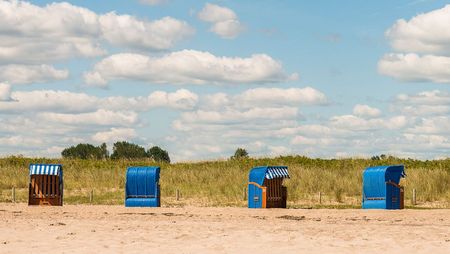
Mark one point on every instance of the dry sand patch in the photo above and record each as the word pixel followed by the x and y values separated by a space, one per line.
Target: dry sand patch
pixel 116 229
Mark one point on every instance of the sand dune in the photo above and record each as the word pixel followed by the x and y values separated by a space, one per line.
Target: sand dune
pixel 115 229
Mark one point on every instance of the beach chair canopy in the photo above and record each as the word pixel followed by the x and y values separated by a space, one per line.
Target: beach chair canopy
pixel 45 169
pixel 375 179
pixel 142 186
pixel 258 174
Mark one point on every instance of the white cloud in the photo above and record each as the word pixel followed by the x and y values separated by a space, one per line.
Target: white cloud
pixel 311 130
pixel 18 140
pixel 265 97
pixel 100 117
pixel 214 13
pixel 307 141
pixel 422 110
pixel 30 33
pixel 251 119
pixel 5 92
pixel 181 99
pixel 70 102
pixel 428 142
pixel 434 97
pixel 27 74
pixel 415 68
pixel 127 31
pixel 366 111
pixel 225 22
pixel 236 116
pixel 49 100
pixel 114 134
pixel 216 130
pixel 432 125
pixel 35 34
pixel 424 42
pixel 354 123
pixel 228 29
pixel 423 103
pixel 424 33
pixel 188 67
pixel 153 2
pixel 279 96
pixel 279 150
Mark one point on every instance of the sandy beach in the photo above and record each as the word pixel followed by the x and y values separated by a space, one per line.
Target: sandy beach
pixel 116 229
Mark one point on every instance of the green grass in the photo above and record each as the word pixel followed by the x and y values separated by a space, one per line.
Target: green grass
pixel 223 183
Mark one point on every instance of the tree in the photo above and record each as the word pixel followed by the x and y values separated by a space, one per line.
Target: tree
pixel 125 150
pixel 104 151
pixel 240 153
pixel 86 151
pixel 158 154
pixel 381 157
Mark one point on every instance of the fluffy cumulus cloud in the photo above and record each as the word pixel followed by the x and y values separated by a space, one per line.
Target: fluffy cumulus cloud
pixel 224 21
pixel 425 33
pixel 266 97
pixel 432 125
pixel 100 117
pixel 188 67
pixel 214 125
pixel 223 122
pixel 70 102
pixel 153 2
pixel 5 92
pixel 237 116
pixel 434 97
pixel 355 123
pixel 415 68
pixel 250 119
pixel 26 74
pixel 35 34
pixel 127 31
pixel 417 125
pixel 60 118
pixel 114 134
pixel 290 96
pixel 424 43
pixel 423 104
pixel 366 111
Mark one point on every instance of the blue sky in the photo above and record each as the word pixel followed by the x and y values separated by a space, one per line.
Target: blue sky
pixel 317 78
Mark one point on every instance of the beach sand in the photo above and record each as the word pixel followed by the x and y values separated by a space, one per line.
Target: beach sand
pixel 116 229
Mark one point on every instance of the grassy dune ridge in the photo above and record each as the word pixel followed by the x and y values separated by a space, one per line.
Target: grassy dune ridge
pixel 223 183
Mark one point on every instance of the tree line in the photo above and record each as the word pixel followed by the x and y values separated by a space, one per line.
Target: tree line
pixel 121 150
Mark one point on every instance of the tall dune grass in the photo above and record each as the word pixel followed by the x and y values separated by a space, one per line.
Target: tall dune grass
pixel 223 183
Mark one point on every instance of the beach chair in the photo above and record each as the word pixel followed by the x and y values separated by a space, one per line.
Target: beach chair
pixel 381 189
pixel 46 185
pixel 142 187
pixel 265 187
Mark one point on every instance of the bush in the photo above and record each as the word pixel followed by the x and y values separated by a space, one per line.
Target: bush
pixel 240 153
pixel 158 154
pixel 86 151
pixel 125 150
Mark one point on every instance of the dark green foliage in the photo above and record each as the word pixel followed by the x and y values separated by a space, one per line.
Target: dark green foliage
pixel 125 150
pixel 240 153
pixel 86 151
pixel 381 157
pixel 158 154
